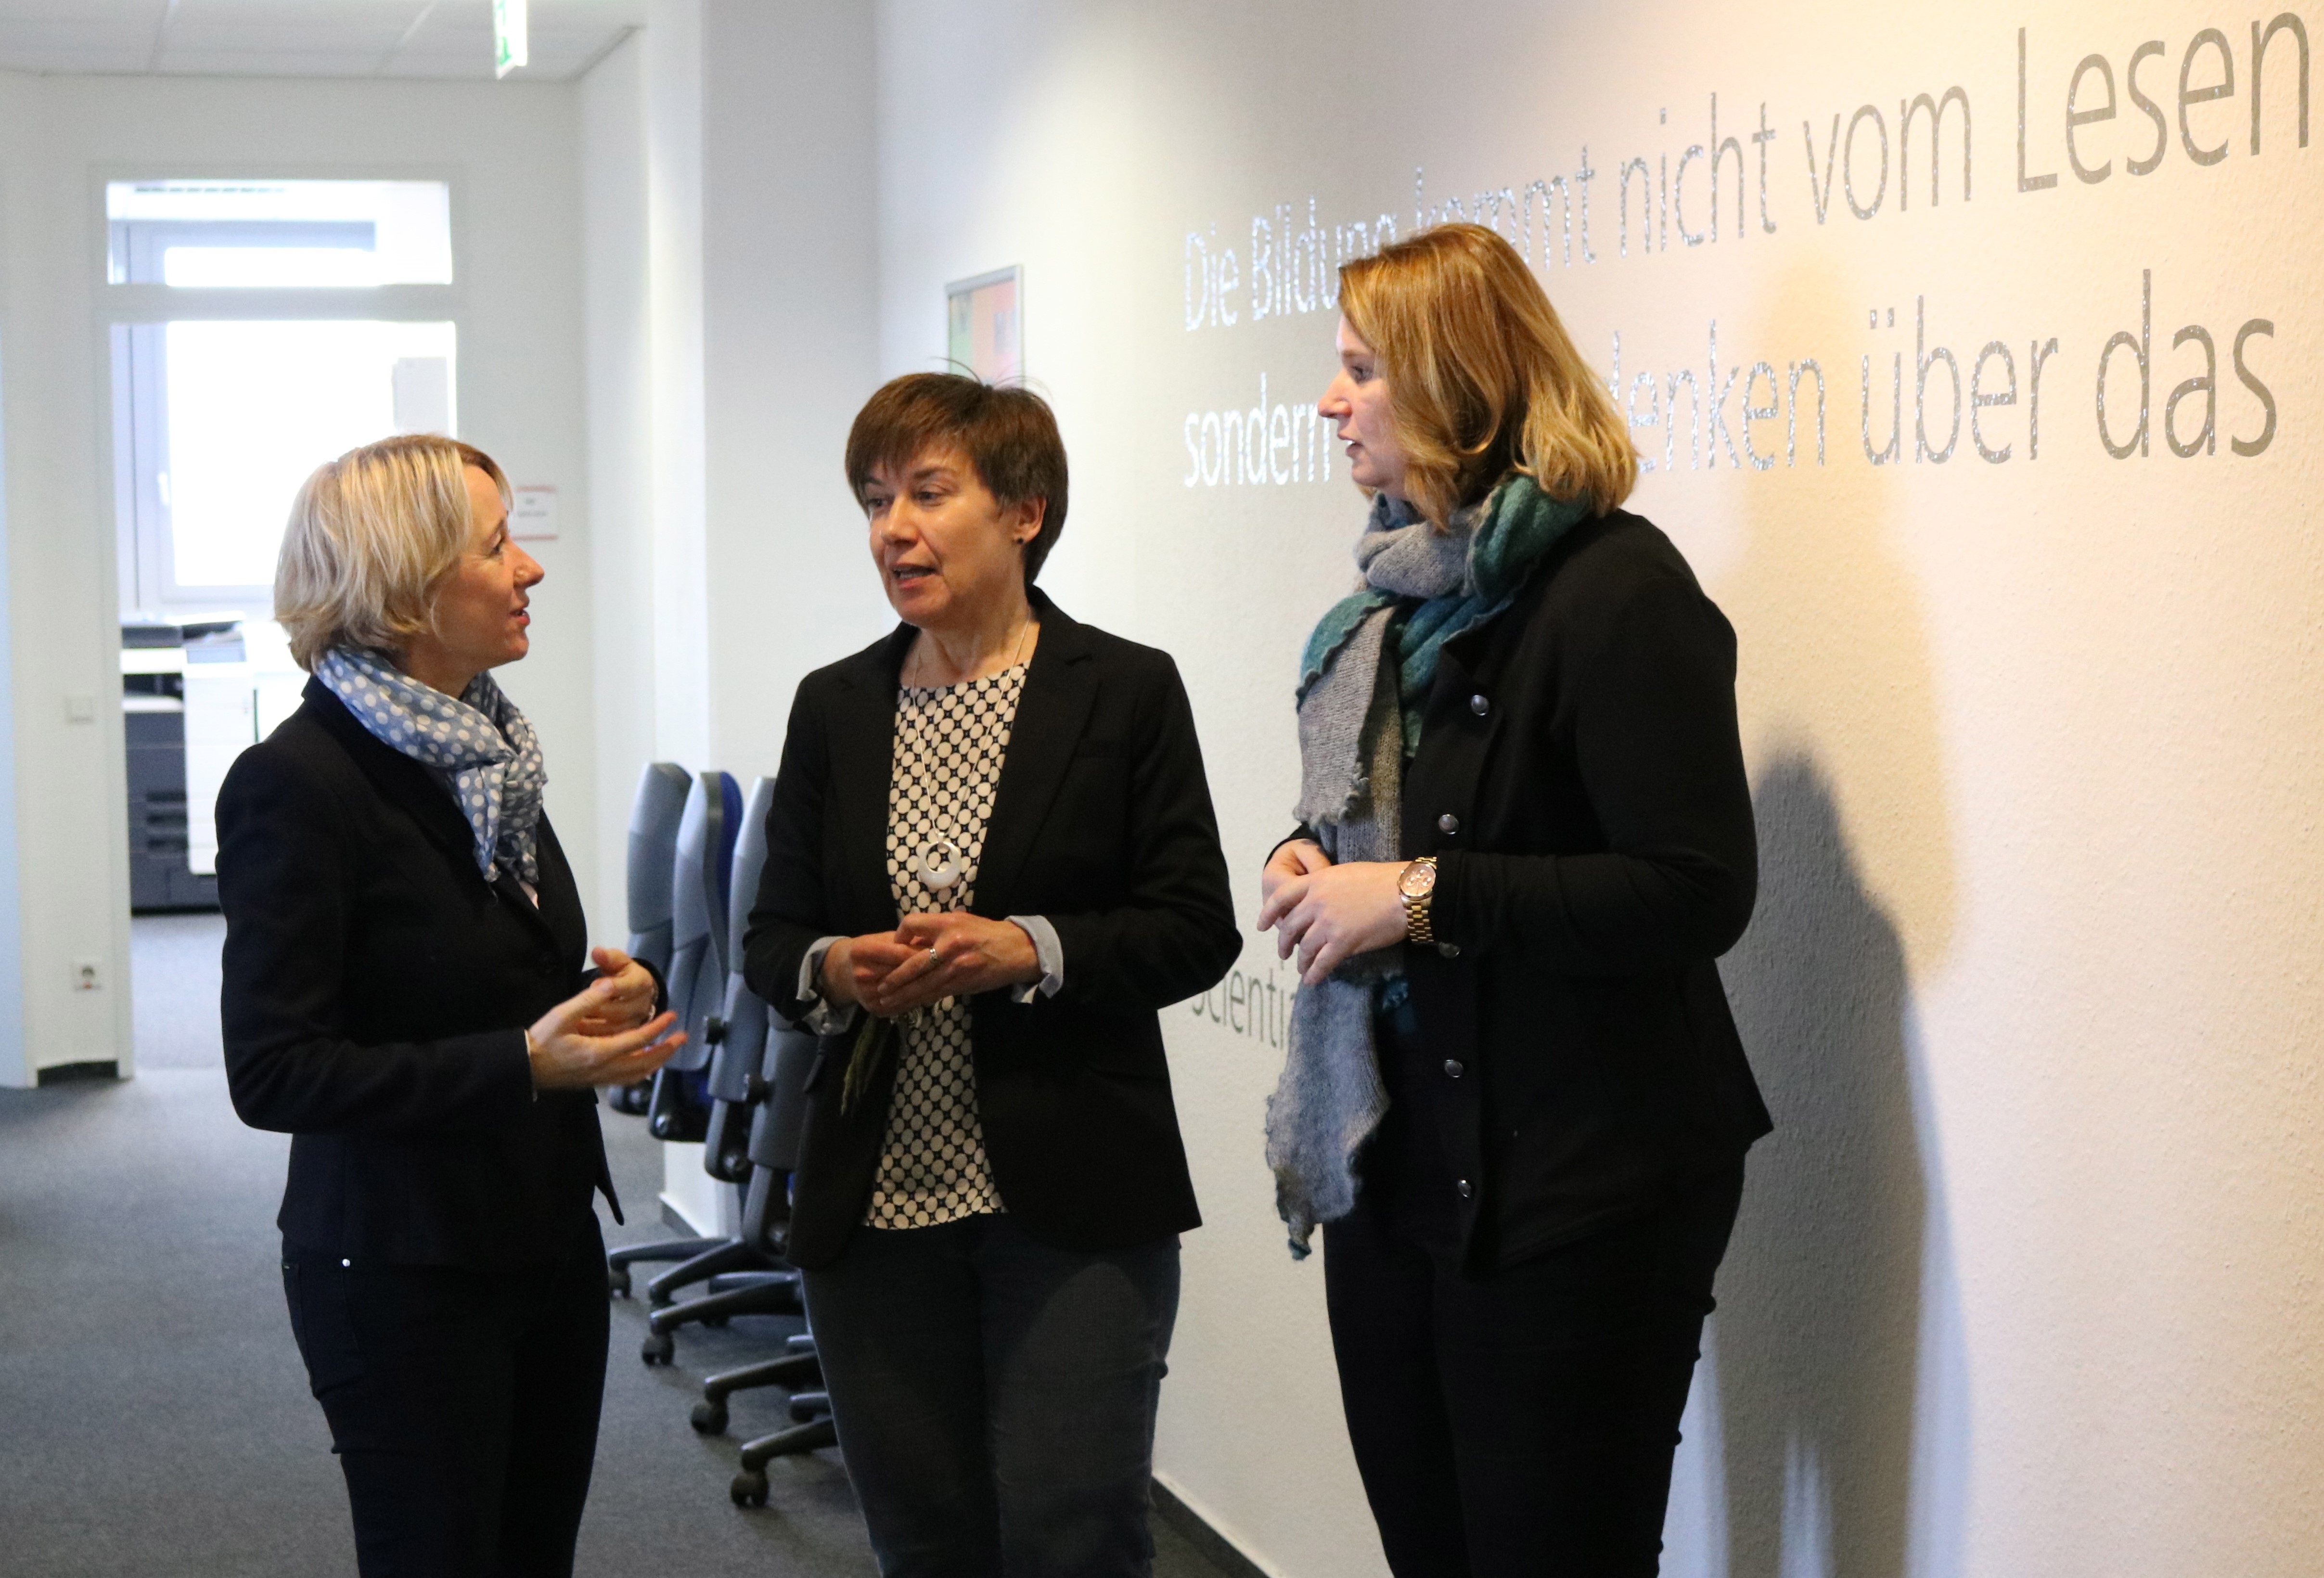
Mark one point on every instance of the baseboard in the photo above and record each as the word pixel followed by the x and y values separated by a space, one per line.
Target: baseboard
pixel 1195 1529
pixel 73 1073
pixel 679 1223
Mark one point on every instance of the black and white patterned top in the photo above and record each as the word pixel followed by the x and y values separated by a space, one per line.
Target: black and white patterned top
pixel 949 745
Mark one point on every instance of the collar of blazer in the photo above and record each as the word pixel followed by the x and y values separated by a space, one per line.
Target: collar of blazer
pixel 411 788
pixel 1061 686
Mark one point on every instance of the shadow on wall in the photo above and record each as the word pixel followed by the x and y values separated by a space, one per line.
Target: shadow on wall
pixel 1817 1333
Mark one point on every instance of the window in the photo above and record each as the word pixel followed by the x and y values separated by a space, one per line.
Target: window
pixel 298 235
pixel 220 413
pixel 227 418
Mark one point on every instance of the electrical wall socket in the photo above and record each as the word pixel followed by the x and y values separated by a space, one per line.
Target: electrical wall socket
pixel 84 976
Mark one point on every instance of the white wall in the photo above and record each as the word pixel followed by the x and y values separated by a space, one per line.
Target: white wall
pixel 2023 1283
pixel 733 244
pixel 509 147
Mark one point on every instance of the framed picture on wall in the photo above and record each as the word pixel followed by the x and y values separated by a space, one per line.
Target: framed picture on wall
pixel 985 317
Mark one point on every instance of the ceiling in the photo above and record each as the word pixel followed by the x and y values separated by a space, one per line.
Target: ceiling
pixel 303 38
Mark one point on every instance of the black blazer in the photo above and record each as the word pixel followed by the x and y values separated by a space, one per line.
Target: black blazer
pixel 1101 822
pixel 1581 783
pixel 376 995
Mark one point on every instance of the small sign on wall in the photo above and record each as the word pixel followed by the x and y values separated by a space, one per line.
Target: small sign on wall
pixel 533 518
pixel 985 323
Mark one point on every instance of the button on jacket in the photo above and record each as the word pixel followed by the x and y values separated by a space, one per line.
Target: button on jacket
pixel 376 992
pixel 1580 780
pixel 1101 822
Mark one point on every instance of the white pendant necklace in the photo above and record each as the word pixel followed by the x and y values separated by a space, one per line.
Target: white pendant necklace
pixel 941 863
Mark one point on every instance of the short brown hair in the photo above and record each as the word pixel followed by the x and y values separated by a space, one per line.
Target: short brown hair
pixel 1482 378
pixel 1008 434
pixel 370 537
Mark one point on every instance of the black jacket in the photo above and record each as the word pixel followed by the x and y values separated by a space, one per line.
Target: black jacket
pixel 1581 782
pixel 1102 823
pixel 375 999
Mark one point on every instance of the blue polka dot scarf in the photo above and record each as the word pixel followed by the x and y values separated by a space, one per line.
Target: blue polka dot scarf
pixel 480 746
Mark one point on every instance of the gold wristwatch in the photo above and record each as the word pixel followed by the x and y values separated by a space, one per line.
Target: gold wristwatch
pixel 1417 884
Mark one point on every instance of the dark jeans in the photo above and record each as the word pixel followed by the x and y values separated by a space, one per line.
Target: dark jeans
pixel 1522 1422
pixel 995 1396
pixel 463 1404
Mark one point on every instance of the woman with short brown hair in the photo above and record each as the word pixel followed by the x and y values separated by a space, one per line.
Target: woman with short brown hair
pixel 991 860
pixel 1515 1099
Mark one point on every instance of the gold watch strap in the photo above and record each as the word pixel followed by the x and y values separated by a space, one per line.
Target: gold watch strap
pixel 1418 926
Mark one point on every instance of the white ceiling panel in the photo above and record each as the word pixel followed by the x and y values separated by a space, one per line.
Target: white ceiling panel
pixel 245 39
pixel 85 62
pixel 43 34
pixel 148 12
pixel 252 63
pixel 301 38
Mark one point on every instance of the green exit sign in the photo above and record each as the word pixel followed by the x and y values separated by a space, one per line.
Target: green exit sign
pixel 510 46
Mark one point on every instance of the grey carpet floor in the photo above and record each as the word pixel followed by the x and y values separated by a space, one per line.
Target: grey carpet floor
pixel 153 1413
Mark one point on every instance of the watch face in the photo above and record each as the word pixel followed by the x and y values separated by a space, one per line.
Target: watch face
pixel 1418 881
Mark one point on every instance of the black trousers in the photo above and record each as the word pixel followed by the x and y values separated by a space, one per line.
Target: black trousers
pixel 995 1396
pixel 463 1404
pixel 1520 1425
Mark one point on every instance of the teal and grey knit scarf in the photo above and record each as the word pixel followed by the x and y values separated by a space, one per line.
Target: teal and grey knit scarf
pixel 1363 684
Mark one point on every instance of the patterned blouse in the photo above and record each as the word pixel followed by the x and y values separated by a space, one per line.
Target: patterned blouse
pixel 949 745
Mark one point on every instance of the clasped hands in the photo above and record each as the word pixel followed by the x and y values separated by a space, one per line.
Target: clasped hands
pixel 926 959
pixel 606 1033
pixel 1328 912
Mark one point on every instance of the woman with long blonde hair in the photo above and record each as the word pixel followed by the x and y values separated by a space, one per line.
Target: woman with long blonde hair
pixel 1515 1100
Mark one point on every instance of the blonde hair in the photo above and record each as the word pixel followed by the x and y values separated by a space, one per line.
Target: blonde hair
pixel 370 537
pixel 1482 378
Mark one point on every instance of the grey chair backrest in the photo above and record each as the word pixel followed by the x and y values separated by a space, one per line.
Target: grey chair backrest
pixel 775 1124
pixel 700 875
pixel 742 1046
pixel 775 1128
pixel 654 816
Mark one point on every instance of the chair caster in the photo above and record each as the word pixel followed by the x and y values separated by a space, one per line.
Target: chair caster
pixel 617 1281
pixel 749 1488
pixel 658 1348
pixel 710 1418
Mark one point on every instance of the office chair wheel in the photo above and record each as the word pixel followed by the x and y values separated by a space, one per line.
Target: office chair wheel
pixel 749 1488
pixel 709 1417
pixel 658 1348
pixel 617 1281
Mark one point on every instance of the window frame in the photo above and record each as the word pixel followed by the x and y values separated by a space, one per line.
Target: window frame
pixel 142 553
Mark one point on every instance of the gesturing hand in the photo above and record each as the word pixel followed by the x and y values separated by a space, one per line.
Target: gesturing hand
pixel 1333 912
pixel 567 1057
pixel 927 959
pixel 853 967
pixel 956 955
pixel 629 1001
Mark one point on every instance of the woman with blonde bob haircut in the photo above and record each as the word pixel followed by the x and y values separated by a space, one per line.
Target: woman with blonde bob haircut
pixel 408 995
pixel 1515 1099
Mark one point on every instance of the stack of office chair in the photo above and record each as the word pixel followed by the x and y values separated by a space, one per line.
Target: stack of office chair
pixel 654 816
pixel 774 1147
pixel 746 1274
pixel 677 1107
pixel 688 917
pixel 700 893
